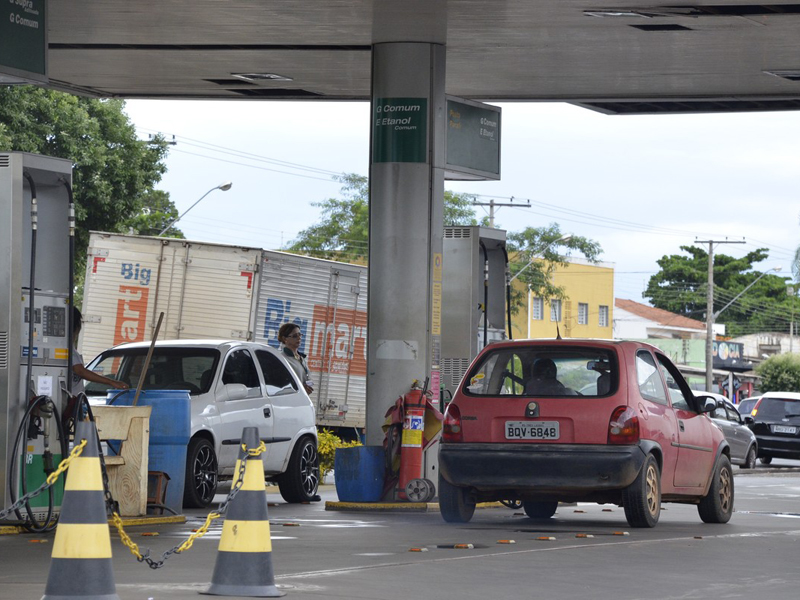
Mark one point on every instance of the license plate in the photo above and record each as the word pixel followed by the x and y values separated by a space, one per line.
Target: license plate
pixel 532 430
pixel 784 429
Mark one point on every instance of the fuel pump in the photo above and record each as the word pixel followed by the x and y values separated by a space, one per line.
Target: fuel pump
pixel 36 281
pixel 475 297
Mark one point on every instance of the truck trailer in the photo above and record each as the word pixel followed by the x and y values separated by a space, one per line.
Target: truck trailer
pixel 217 291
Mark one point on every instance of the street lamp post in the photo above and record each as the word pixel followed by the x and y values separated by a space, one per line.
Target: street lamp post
pixel 711 317
pixel 791 291
pixel 710 305
pixel 562 239
pixel 222 186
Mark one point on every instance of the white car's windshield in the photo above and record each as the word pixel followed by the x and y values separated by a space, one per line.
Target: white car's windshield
pixel 170 368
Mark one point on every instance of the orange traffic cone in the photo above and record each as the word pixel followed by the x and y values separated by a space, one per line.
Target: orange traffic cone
pixel 80 565
pixel 244 560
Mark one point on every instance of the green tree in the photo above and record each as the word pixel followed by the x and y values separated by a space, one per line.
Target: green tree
pixel 780 373
pixel 680 287
pixel 343 229
pixel 535 252
pixel 114 172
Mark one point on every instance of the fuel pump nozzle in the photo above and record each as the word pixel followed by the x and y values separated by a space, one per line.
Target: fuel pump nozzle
pixel 46 411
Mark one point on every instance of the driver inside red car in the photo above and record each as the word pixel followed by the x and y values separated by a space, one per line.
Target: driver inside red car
pixel 544 382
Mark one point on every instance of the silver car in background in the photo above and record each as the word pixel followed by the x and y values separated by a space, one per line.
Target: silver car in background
pixel 745 407
pixel 744 447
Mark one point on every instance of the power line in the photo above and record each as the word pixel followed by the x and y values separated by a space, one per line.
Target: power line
pixel 250 155
pixel 254 166
pixel 492 204
pixel 623 225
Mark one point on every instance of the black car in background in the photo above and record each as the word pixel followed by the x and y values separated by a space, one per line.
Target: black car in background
pixel 775 421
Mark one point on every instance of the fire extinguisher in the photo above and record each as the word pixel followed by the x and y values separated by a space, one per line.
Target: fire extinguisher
pixel 410 485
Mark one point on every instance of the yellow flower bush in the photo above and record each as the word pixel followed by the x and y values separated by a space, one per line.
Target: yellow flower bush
pixel 327 443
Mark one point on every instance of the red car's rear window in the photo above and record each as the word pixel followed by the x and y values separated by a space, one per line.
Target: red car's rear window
pixel 544 371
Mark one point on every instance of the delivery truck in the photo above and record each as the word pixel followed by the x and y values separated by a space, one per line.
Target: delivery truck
pixel 216 291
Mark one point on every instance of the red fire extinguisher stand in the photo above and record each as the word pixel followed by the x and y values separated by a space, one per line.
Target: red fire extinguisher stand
pixel 411 439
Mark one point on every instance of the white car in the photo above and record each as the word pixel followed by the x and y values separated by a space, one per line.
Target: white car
pixel 232 384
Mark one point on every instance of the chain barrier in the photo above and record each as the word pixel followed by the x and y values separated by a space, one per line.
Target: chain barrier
pixel 49 482
pixel 112 506
pixel 262 447
pixel 201 531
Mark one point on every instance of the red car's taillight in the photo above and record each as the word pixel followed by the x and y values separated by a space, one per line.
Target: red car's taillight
pixel 451 430
pixel 754 412
pixel 623 428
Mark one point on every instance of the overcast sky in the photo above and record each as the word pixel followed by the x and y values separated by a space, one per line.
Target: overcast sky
pixel 639 185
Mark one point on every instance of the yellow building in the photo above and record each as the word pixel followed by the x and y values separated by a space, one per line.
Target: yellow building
pixel 586 312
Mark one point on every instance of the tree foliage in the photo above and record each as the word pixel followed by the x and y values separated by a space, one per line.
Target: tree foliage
pixel 535 254
pixel 343 229
pixel 342 233
pixel 113 172
pixel 681 285
pixel 780 373
pixel 155 212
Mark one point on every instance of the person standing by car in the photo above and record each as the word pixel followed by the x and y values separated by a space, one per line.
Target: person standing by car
pixel 289 336
pixel 79 371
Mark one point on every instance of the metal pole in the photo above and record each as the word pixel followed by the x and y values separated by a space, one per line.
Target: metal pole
pixel 492 205
pixel 561 240
pixel 710 320
pixel 222 186
pixel 790 289
pixel 710 315
pixel 140 385
pixel 529 311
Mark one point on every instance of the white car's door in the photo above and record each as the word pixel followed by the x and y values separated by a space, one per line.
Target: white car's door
pixel 241 403
pixel 292 410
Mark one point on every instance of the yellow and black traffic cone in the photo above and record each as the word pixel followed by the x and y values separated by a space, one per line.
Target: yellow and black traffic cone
pixel 244 560
pixel 80 566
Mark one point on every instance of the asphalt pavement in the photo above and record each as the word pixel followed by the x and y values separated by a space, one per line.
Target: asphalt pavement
pixel 585 551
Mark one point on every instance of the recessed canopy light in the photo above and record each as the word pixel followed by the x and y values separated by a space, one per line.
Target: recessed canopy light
pixel 261 77
pixel 615 13
pixel 790 74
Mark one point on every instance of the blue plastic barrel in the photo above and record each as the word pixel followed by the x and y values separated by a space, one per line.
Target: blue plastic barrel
pixel 359 473
pixel 170 430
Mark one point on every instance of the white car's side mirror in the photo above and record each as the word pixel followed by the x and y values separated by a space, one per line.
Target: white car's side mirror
pixel 235 391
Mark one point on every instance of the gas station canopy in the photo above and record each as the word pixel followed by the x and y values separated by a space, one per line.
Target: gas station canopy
pixel 620 57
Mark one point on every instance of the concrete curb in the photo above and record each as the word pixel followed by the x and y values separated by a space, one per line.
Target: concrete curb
pixel 399 507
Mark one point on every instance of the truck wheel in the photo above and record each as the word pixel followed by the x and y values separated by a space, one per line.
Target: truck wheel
pixel 301 480
pixel 540 510
pixel 717 505
pixel 201 474
pixel 454 502
pixel 642 499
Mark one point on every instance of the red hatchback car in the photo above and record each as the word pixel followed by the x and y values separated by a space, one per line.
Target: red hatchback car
pixel 549 421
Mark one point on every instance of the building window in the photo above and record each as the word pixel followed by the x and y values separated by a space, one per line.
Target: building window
pixel 537 309
pixel 555 310
pixel 583 313
pixel 603 316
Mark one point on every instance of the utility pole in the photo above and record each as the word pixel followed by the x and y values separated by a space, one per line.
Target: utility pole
pixel 492 204
pixel 791 291
pixel 710 309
